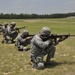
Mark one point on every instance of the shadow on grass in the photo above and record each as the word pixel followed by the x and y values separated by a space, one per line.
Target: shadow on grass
pixel 54 63
pixel 13 42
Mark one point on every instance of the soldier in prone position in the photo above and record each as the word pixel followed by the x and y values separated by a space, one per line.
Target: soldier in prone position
pixel 41 46
pixel 23 40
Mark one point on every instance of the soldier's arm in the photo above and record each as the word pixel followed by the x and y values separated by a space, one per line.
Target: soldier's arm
pixel 56 43
pixel 11 31
pixel 21 39
pixel 39 43
pixel 59 40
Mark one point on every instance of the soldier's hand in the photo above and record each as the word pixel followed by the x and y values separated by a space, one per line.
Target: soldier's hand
pixel 17 31
pixel 51 40
pixel 16 28
pixel 62 38
pixel 28 38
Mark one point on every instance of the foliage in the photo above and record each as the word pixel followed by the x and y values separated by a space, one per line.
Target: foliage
pixel 35 16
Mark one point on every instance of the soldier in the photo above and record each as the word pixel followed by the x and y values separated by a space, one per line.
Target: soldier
pixel 1 27
pixel 4 31
pixel 12 33
pixel 23 40
pixel 41 46
pixel 4 27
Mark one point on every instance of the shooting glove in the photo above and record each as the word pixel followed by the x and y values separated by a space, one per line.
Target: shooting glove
pixel 17 30
pixel 62 38
pixel 51 41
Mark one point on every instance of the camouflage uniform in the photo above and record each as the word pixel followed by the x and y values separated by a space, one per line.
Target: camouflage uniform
pixel 4 28
pixel 4 31
pixel 12 33
pixel 23 40
pixel 0 28
pixel 41 47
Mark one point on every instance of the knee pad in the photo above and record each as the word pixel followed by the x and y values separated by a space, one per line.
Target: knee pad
pixel 40 65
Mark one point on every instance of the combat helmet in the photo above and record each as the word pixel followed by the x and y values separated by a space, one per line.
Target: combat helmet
pixel 25 33
pixel 13 24
pixel 6 24
pixel 45 32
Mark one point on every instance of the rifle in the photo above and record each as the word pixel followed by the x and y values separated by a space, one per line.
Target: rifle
pixel 53 36
pixel 61 37
pixel 56 36
pixel 31 35
pixel 19 28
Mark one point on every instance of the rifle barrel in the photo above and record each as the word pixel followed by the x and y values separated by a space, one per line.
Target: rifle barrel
pixel 72 35
pixel 21 27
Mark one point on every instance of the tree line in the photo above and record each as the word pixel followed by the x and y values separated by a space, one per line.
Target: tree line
pixel 35 16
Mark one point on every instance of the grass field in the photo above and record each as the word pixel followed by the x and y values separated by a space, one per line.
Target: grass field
pixel 13 62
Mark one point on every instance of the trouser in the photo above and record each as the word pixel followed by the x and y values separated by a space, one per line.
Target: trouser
pixel 22 46
pixel 5 38
pixel 11 37
pixel 50 51
pixel 38 60
pixel 14 35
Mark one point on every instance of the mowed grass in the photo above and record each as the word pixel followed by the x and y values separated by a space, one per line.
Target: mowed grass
pixel 13 62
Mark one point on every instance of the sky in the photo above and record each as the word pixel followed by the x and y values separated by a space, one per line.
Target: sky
pixel 37 6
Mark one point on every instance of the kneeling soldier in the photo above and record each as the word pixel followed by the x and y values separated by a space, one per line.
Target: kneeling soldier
pixel 23 40
pixel 42 45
